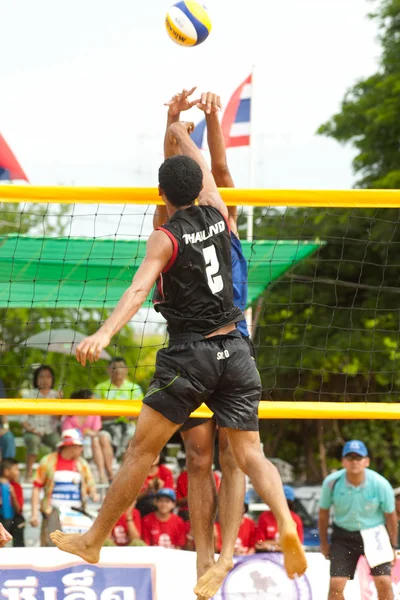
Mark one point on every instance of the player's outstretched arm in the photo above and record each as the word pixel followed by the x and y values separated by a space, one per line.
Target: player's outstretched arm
pixel 209 195
pixel 210 104
pixel 178 103
pixel 158 254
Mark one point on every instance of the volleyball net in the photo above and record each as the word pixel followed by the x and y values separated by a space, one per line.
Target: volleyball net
pixel 323 273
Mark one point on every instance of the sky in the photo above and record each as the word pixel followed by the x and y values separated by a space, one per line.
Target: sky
pixel 83 84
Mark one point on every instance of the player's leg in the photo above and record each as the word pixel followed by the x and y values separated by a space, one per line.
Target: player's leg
pixel 235 405
pixel 202 493
pixel 152 433
pixel 230 498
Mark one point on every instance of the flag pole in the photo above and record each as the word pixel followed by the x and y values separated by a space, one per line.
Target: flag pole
pixel 250 209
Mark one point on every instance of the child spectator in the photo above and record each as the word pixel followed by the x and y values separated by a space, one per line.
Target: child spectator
pixel 245 541
pixel 128 528
pixel 163 528
pixel 267 534
pixel 9 472
pixel 89 426
pixel 67 482
pixel 159 477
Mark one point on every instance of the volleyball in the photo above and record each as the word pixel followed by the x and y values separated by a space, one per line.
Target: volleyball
pixel 188 23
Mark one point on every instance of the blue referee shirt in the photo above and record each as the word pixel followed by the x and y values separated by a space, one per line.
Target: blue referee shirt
pixel 361 507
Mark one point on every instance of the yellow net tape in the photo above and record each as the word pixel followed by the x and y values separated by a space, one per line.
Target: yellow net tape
pixel 232 196
pixel 268 410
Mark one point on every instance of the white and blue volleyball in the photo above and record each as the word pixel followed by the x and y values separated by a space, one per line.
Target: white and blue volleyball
pixel 188 23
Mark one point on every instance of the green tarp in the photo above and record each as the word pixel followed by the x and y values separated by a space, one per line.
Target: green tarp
pixel 94 273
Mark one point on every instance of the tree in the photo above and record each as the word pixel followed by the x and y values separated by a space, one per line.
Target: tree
pixel 16 325
pixel 369 116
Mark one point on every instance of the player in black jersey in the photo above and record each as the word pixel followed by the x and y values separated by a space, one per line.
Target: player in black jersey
pixel 206 360
pixel 198 434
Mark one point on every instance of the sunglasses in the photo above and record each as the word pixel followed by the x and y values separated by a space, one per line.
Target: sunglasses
pixel 356 457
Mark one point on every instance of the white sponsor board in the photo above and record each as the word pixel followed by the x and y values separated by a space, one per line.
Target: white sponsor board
pixel 152 574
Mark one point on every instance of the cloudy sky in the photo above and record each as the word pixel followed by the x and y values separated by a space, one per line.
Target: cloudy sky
pixel 83 84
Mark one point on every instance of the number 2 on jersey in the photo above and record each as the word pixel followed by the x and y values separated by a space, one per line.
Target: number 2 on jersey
pixel 215 281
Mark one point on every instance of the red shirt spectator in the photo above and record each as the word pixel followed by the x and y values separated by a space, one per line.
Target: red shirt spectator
pixel 120 533
pixel 163 474
pixel 163 528
pixel 182 487
pixel 169 534
pixel 245 541
pixel 267 528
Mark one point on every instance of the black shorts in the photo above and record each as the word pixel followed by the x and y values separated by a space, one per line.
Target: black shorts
pixel 191 423
pixel 218 371
pixel 346 548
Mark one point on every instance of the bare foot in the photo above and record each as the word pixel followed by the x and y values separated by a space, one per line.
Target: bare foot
pixel 75 544
pixel 208 585
pixel 293 553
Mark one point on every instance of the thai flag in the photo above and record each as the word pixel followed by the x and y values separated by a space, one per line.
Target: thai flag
pixel 9 166
pixel 236 120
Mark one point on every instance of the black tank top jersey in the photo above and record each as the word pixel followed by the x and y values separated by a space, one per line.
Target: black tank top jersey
pixel 195 293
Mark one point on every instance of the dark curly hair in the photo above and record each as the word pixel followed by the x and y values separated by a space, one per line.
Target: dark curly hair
pixel 39 370
pixel 181 180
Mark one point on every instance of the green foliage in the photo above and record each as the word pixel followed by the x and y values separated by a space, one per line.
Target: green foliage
pixel 369 116
pixel 16 325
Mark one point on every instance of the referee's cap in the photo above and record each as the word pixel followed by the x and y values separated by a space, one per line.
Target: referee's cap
pixel 396 492
pixel 355 447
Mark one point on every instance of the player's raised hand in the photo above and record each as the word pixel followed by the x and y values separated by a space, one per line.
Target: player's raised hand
pixel 210 103
pixel 181 102
pixel 90 348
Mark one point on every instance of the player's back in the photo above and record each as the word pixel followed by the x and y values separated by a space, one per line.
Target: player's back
pixel 195 293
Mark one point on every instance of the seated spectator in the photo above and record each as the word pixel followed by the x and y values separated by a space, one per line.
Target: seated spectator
pixel 40 429
pixel 182 487
pixel 267 534
pixel 163 528
pixel 119 430
pixel 7 441
pixel 67 482
pixel 128 528
pixel 101 449
pixel 159 477
pixel 245 541
pixel 8 504
pixel 9 472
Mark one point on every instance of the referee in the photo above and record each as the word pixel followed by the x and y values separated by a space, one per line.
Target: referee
pixel 364 522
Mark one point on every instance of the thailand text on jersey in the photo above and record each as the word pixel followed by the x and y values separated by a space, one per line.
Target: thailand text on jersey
pixel 194 292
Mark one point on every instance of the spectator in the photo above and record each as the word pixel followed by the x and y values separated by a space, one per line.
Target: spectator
pixel 245 542
pixel 119 431
pixel 101 449
pixel 128 528
pixel 397 504
pixel 40 429
pixel 9 472
pixel 67 482
pixel 363 502
pixel 7 441
pixel 5 537
pixel 182 487
pixel 163 528
pixel 267 534
pixel 8 504
pixel 159 477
